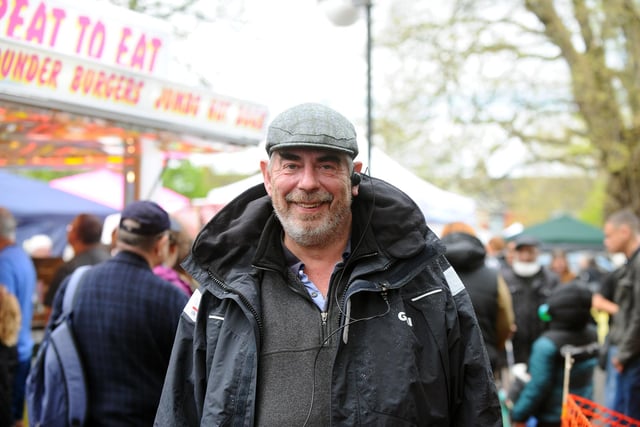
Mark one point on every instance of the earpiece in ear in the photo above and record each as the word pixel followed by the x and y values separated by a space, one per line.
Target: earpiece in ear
pixel 355 179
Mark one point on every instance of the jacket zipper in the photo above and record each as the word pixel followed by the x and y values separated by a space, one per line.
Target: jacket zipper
pixel 343 299
pixel 243 299
pixel 324 315
pixel 342 309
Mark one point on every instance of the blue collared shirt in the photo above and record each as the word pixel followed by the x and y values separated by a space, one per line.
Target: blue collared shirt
pixel 297 267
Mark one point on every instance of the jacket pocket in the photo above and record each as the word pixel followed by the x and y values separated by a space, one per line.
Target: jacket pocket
pixel 401 381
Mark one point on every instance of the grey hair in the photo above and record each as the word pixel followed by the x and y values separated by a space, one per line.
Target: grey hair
pixel 625 217
pixel 145 243
pixel 8 224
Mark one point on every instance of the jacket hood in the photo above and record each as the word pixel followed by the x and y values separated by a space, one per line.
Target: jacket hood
pixel 393 225
pixel 570 306
pixel 464 251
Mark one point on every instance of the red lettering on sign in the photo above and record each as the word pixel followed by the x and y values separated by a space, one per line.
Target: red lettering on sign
pixel 218 110
pixel 33 28
pixel 142 57
pixel 21 67
pixel 251 118
pixel 113 87
pixel 184 103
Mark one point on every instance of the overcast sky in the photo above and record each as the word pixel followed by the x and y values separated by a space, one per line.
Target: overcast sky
pixel 288 52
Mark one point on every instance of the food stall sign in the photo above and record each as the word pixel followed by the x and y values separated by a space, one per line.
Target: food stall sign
pixel 77 57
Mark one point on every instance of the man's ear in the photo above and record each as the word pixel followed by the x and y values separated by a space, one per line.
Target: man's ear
pixel 357 168
pixel 266 176
pixel 158 248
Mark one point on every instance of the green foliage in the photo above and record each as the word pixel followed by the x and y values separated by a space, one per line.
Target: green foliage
pixel 557 79
pixel 195 181
pixel 186 179
pixel 592 211
pixel 531 200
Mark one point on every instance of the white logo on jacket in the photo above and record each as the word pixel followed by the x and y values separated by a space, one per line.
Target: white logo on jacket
pixel 403 316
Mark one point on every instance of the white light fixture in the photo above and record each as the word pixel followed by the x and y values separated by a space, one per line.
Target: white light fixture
pixel 344 13
pixel 340 12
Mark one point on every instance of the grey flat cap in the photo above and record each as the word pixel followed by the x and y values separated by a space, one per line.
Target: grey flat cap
pixel 312 126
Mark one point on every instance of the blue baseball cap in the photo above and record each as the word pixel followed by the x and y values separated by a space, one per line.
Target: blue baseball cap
pixel 145 218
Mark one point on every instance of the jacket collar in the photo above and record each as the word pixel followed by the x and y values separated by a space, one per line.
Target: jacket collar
pixel 387 225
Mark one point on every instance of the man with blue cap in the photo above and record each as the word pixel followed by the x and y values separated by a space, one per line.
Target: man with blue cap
pixel 125 320
pixel 325 300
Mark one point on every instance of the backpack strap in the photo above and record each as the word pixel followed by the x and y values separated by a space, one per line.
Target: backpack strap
pixel 72 289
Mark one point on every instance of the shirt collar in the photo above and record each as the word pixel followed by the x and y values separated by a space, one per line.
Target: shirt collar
pixel 296 265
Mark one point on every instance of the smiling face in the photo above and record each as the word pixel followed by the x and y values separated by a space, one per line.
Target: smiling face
pixel 311 193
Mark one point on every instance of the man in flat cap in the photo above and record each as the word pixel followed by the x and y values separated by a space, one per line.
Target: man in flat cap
pixel 325 300
pixel 125 319
pixel 530 284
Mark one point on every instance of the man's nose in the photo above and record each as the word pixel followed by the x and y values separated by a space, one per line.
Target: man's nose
pixel 308 178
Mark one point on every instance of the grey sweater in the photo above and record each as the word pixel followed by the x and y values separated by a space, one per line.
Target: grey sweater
pixel 295 359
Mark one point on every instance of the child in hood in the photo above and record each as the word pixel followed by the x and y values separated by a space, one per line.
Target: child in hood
pixel 568 311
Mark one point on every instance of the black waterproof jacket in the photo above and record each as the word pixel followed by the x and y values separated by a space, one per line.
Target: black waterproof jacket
pixel 625 328
pixel 423 363
pixel 467 254
pixel 527 295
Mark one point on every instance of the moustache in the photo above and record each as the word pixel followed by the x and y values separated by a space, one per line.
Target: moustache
pixel 302 197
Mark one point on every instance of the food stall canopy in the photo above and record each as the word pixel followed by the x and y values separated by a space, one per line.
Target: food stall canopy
pixel 105 187
pixel 32 137
pixel 41 209
pixel 565 232
pixel 77 78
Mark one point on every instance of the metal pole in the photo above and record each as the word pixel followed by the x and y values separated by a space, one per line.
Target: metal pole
pixel 348 19
pixel 369 100
pixel 131 168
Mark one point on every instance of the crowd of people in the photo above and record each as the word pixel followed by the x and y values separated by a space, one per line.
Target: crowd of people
pixel 555 308
pixel 126 316
pixel 322 297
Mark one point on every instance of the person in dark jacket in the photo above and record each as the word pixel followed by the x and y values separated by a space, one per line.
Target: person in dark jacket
pixel 568 311
pixel 83 235
pixel 325 300
pixel 530 284
pixel 10 320
pixel 124 321
pixel 622 231
pixel 603 302
pixel 488 291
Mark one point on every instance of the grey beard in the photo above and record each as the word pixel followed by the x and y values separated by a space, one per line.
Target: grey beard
pixel 312 236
